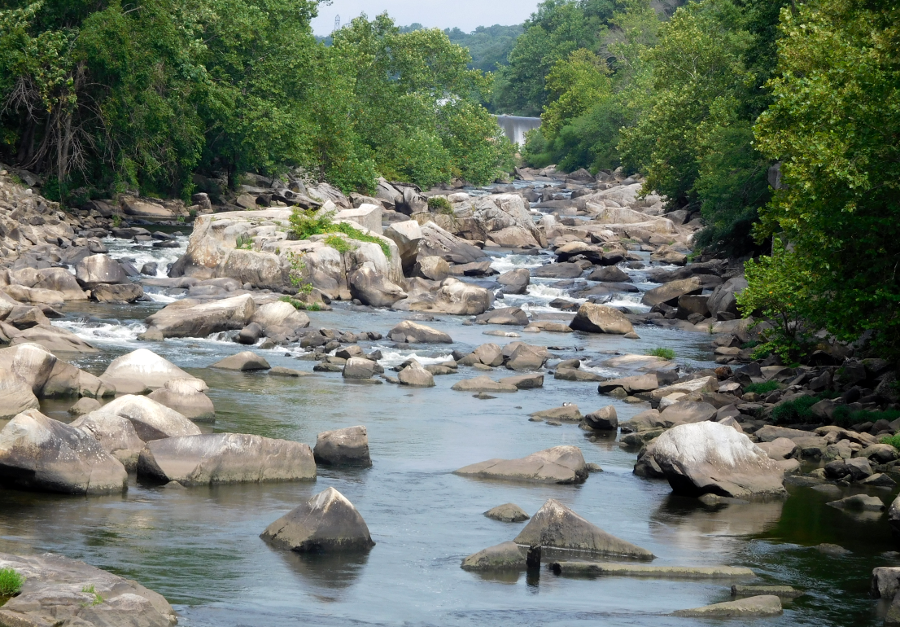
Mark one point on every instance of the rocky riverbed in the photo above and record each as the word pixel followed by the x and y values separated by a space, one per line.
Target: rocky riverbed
pixel 497 355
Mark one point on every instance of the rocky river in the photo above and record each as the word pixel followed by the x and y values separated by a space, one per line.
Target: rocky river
pixel 513 267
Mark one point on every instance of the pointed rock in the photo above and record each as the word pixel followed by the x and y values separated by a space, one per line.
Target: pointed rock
pixel 326 522
pixel 557 526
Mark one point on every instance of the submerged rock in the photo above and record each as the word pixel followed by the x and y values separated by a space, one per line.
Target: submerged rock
pixel 343 447
pixel 327 522
pixel 557 526
pixel 560 464
pixel 859 502
pixel 504 556
pixel 39 453
pixel 751 607
pixel 508 512
pixel 226 458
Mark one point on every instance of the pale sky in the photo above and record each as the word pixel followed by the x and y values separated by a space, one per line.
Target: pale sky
pixel 466 14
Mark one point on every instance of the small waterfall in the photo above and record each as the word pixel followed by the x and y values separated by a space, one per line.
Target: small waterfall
pixel 515 127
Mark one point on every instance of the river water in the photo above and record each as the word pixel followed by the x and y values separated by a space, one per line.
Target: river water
pixel 200 547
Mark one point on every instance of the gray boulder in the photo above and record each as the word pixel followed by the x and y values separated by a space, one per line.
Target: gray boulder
pixel 601 319
pixel 343 447
pixel 373 288
pixel 859 502
pixel 515 281
pixel 121 293
pixel 115 434
pixel 723 298
pixel 246 361
pixel 151 420
pixel 360 368
pixel 557 526
pixel 226 458
pixel 604 419
pixel 39 453
pixel 16 395
pixel 504 556
pixel 142 369
pixel 560 464
pixel 632 385
pixel 187 398
pixel 566 413
pixel 483 384
pixel 508 512
pixel 97 270
pixel 327 522
pixel 414 375
pixel 669 293
pixel 686 412
pixel 524 381
pixel 271 316
pixel 196 318
pixel 409 332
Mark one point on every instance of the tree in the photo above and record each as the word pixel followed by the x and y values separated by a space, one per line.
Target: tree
pixel 834 123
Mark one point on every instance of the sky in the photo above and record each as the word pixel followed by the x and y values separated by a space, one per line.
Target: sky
pixel 466 14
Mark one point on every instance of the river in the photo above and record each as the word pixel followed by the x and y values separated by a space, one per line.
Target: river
pixel 200 547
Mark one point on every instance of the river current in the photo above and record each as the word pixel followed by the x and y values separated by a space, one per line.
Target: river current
pixel 200 547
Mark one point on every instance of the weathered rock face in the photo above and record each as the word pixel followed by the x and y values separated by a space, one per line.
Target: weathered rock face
pixel 409 332
pixel 245 361
pixel 272 316
pixel 560 464
pixel 226 458
pixel 710 458
pixel 504 556
pixel 16 395
pixel 557 526
pixel 406 235
pixel 501 218
pixel 372 288
pixel 343 447
pixel 39 453
pixel 115 434
pixel 54 279
pixel 436 242
pixel 145 369
pixel 327 522
pixel 669 293
pixel 601 319
pixel 151 420
pixel 451 296
pixel 29 363
pixel 55 587
pixel 414 375
pixel 194 318
pixel 187 398
pixel 99 269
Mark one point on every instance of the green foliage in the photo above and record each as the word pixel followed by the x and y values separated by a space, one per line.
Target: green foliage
pixel 244 242
pixel 795 411
pixel 893 440
pixel 834 123
pixel 440 204
pixel 762 388
pixel 299 304
pixel 11 582
pixel 97 600
pixel 488 45
pixel 844 417
pixel 298 273
pixel 662 353
pixel 307 222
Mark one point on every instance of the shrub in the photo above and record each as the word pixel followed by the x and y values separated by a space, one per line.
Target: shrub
pixel 843 417
pixel 762 388
pixel 10 582
pixel 307 222
pixel 662 353
pixel 440 204
pixel 796 410
pixel 893 440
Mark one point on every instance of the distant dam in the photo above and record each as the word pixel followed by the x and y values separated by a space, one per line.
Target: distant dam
pixel 515 127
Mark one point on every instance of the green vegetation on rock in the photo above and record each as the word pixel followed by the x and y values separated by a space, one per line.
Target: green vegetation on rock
pixel 662 353
pixel 308 222
pixel 11 582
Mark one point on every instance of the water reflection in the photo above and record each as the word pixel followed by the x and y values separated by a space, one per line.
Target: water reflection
pixel 325 572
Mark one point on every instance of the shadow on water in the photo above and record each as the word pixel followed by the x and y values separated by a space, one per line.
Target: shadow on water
pixel 324 574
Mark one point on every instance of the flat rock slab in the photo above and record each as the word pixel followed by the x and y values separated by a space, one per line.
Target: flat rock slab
pixel 54 588
pixel 483 384
pixel 642 570
pixel 226 458
pixel 508 512
pixel 560 464
pixel 751 607
pixel 750 590
pixel 557 526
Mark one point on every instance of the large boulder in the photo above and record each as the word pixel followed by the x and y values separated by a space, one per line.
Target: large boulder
pixel 686 412
pixel 55 279
pixel 16 395
pixel 327 522
pixel 560 464
pixel 601 319
pixel 151 420
pixel 245 361
pixel 557 526
pixel 54 339
pixel 30 363
pixel 483 384
pixel 711 458
pixel 371 287
pixel 226 458
pixel 504 556
pixel 438 242
pixel 194 318
pixel 120 293
pixel 99 269
pixel 414 375
pixel 633 385
pixel 503 219
pixel 406 235
pixel 68 592
pixel 451 296
pixel 723 298
pixel 669 293
pixel 186 396
pixel 343 447
pixel 39 453
pixel 515 281
pixel 271 316
pixel 359 368
pixel 143 369
pixel 409 332
pixel 115 434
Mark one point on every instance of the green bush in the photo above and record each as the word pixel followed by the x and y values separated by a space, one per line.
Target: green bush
pixel 795 411
pixel 10 582
pixel 299 304
pixel 307 222
pixel 893 440
pixel 338 243
pixel 440 204
pixel 843 417
pixel 762 388
pixel 662 353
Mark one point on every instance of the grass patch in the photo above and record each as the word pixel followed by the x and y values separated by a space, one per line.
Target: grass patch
pixel 440 204
pixel 797 410
pixel 306 222
pixel 97 600
pixel 662 353
pixel 299 304
pixel 10 582
pixel 244 242
pixel 893 440
pixel 750 344
pixel 843 417
pixel 338 243
pixel 762 388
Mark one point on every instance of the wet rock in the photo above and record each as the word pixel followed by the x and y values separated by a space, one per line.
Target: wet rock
pixel 39 453
pixel 343 447
pixel 186 396
pixel 525 381
pixel 859 502
pixel 249 335
pixel 604 419
pixel 414 375
pixel 326 523
pixel 359 368
pixel 409 332
pixel 151 420
pixel 594 569
pixel 121 293
pixel 508 512
pixel 560 464
pixel 601 319
pixel 98 270
pixel 281 371
pixel 557 526
pixel 225 458
pixel 750 590
pixel 149 268
pixel 879 480
pixel 515 281
pixel 115 434
pixel 483 384
pixel 84 406
pixel 57 587
pixel 751 607
pixel 246 361
pixel 707 457
pixel 504 556
pixel 525 358
pixel 194 318
pixel 567 413
pixel 632 385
